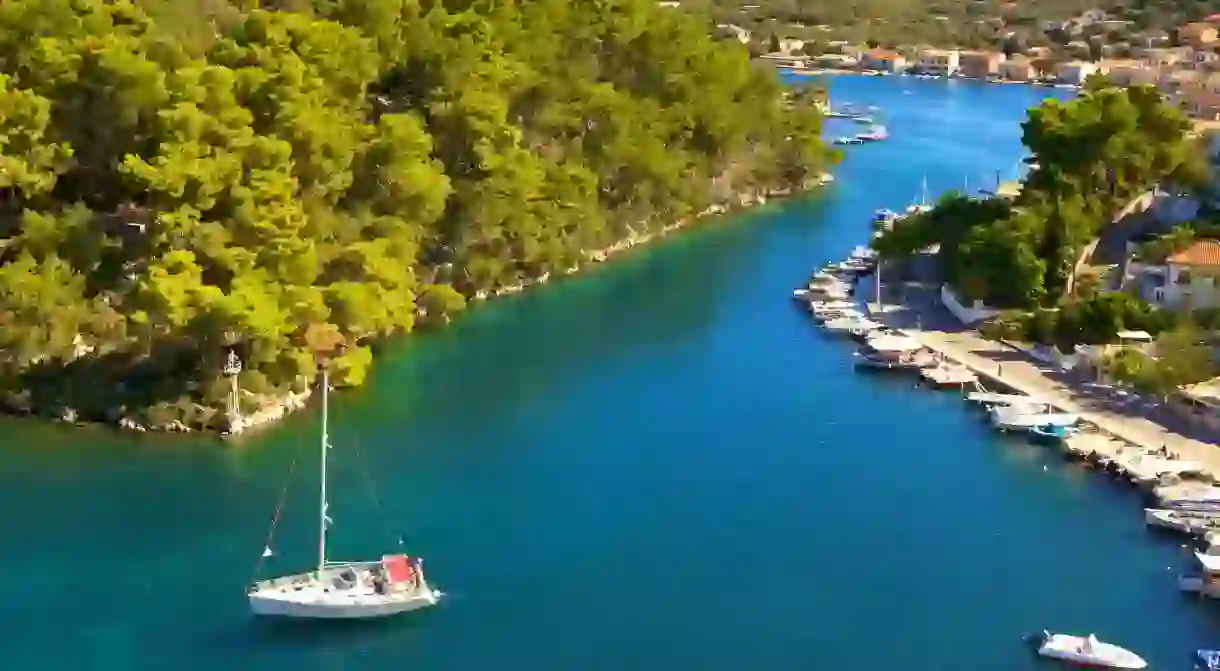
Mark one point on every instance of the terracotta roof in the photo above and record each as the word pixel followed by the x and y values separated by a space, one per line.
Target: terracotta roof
pixel 883 55
pixel 1202 253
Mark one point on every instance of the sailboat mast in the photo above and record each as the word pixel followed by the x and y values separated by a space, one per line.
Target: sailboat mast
pixel 322 519
pixel 878 284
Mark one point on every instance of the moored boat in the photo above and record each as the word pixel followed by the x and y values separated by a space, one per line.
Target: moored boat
pixel 1050 434
pixel 1188 505
pixel 1189 522
pixel 1088 651
pixel 1205 581
pixel 1206 660
pixel 946 375
pixel 851 324
pixel 990 399
pixel 374 588
pixel 1023 417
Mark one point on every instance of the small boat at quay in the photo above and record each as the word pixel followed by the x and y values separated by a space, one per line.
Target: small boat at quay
pixel 1205 579
pixel 1051 434
pixel 1024 417
pixel 1195 523
pixel 821 307
pixel 1186 505
pixel 884 218
pixel 1087 651
pixel 855 267
pixel 851 324
pixel 865 358
pixel 1183 491
pixel 825 315
pixel 989 399
pixel 820 289
pixel 948 375
pixel 831 292
pixel 863 253
pixel 1206 660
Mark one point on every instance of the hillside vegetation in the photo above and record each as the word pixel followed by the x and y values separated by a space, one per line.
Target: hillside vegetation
pixel 179 178
pixel 1093 156
pixel 971 24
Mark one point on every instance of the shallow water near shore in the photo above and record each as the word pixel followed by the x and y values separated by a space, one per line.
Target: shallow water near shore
pixel 657 465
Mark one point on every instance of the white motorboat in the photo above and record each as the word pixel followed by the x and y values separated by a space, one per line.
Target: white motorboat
pixel 855 267
pixel 851 324
pixel 1023 417
pixel 893 343
pixel 862 253
pixel 1188 522
pixel 825 277
pixel 901 362
pixel 375 588
pixel 884 218
pixel 874 134
pixel 987 398
pixel 831 315
pixel 829 293
pixel 1179 520
pixel 827 314
pixel 821 306
pixel 823 291
pixel 1087 650
pixel 1205 579
pixel 945 375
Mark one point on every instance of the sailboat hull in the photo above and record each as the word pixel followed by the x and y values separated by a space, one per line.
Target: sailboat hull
pixel 305 596
pixel 339 609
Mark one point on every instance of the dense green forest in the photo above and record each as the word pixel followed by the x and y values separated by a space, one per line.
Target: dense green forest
pixel 182 178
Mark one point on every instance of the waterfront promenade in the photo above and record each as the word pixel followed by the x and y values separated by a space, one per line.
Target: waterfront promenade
pixel 922 318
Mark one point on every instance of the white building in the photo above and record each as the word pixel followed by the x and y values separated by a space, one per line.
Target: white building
pixel 1189 278
pixel 1075 72
pixel 938 62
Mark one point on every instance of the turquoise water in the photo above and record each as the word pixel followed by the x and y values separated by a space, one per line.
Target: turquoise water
pixel 658 465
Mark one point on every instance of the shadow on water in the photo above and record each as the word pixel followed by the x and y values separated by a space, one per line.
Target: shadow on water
pixel 575 330
pixel 293 633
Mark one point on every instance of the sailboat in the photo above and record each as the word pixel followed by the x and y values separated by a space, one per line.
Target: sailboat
pixel 376 588
pixel 922 206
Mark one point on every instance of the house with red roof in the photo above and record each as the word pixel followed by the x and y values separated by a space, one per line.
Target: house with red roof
pixel 883 60
pixel 1190 278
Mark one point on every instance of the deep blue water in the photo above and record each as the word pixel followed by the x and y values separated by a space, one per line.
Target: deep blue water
pixel 657 465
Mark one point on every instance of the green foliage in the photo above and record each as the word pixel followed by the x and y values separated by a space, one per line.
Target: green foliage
pixel 1093 156
pixel 179 177
pixel 1096 320
pixel 1178 358
pixel 1156 251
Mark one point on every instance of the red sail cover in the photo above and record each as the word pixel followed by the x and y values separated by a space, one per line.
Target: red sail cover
pixel 399 567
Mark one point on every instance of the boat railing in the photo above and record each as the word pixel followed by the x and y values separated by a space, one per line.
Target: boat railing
pixel 299 580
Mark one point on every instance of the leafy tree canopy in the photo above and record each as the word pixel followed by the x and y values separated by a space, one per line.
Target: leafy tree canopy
pixel 1090 157
pixel 178 177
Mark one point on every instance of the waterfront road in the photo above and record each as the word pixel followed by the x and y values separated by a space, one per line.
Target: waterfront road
pixel 916 309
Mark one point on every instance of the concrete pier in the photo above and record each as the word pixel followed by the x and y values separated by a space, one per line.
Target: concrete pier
pixel 999 365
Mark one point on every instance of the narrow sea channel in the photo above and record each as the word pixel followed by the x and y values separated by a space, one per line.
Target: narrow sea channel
pixel 660 465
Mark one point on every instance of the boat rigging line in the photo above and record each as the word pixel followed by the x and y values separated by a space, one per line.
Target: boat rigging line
pixel 275 518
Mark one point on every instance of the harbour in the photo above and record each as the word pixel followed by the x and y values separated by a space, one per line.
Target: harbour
pixel 667 427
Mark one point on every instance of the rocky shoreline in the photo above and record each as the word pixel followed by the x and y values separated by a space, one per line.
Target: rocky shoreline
pixel 273 409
